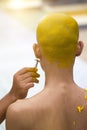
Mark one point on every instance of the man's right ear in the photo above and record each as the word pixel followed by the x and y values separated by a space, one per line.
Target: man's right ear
pixel 79 48
pixel 36 49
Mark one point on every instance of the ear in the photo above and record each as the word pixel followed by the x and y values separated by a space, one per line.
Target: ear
pixel 79 48
pixel 36 49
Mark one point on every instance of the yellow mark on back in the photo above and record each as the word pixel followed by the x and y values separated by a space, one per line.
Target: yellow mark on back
pixel 80 108
pixel 85 97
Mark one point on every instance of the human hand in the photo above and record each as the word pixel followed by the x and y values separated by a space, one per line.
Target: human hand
pixel 22 81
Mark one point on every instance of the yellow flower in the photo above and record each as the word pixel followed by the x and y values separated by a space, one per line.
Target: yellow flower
pixel 85 97
pixel 80 108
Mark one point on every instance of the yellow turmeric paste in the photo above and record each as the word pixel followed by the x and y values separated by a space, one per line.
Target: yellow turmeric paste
pixel 57 34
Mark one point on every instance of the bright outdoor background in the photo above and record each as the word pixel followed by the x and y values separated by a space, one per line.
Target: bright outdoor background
pixel 18 21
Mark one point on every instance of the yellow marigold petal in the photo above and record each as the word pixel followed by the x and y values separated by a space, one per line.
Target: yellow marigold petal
pixel 80 108
pixel 85 97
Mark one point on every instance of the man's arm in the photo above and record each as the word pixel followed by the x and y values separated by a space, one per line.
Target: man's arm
pixel 4 103
pixel 22 81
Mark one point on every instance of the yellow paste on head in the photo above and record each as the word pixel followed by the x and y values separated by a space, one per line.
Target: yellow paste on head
pixel 57 35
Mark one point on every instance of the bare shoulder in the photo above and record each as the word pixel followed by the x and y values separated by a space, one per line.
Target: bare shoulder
pixel 15 117
pixel 25 113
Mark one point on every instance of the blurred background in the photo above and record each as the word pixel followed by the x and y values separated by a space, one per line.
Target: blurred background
pixel 18 21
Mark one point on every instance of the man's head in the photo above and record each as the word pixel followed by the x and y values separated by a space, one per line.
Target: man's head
pixel 57 36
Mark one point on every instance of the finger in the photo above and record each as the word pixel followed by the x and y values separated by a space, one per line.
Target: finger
pixel 29 74
pixel 24 70
pixel 34 74
pixel 29 85
pixel 30 79
pixel 35 80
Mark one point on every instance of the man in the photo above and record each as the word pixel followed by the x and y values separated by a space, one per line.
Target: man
pixel 62 104
pixel 22 81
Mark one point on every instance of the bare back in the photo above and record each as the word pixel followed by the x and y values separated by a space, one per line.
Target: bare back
pixel 65 111
pixel 55 110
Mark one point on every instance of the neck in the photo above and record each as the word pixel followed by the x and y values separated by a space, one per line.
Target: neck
pixel 56 76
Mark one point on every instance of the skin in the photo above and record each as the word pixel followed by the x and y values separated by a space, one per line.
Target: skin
pixel 22 81
pixel 56 106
